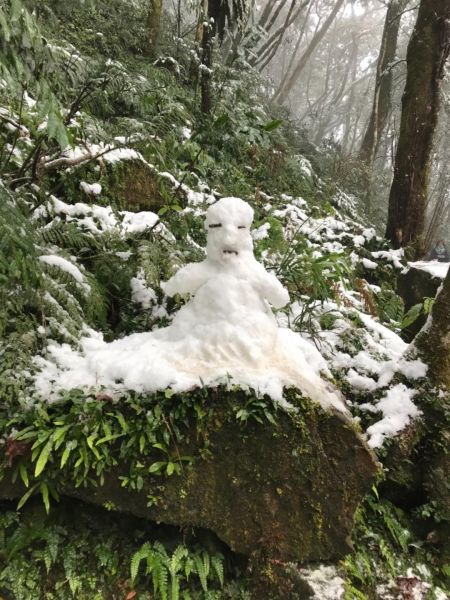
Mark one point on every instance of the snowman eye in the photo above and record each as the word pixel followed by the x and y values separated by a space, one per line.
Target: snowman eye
pixel 215 225
pixel 242 227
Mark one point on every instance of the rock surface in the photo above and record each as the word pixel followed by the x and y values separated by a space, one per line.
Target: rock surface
pixel 288 490
pixel 413 286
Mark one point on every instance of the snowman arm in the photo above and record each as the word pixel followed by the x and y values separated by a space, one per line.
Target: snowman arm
pixel 187 280
pixel 273 291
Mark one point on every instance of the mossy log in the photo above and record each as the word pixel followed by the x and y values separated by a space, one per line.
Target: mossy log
pixel 287 489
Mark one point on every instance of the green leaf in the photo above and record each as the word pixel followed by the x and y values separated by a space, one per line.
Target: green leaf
pixel 157 466
pixel 43 458
pixel 26 496
pixel 65 455
pixel 270 417
pixel 272 125
pixel 45 498
pixel 120 418
pixel 411 316
pixel 24 474
pixel 59 433
pixel 4 27
pixel 16 10
pixel 109 438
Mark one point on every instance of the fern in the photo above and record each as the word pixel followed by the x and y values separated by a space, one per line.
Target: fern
pixel 68 236
pixel 178 567
pixel 217 564
pixel 201 562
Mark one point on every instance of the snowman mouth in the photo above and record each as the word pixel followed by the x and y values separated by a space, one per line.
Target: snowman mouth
pixel 230 251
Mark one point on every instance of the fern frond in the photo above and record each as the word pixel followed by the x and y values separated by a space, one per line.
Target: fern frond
pixel 217 564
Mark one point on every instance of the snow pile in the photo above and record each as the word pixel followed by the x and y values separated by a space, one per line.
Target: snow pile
pixel 225 332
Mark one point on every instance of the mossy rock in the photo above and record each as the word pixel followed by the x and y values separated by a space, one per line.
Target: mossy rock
pixel 133 185
pixel 437 481
pixel 413 286
pixel 286 487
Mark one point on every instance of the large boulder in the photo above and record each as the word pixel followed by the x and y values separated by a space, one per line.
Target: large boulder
pixel 289 487
pixel 413 286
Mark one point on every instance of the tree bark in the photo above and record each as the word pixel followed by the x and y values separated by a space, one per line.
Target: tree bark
pixel 433 342
pixel 383 83
pixel 283 92
pixel 427 53
pixel 153 25
pixel 206 66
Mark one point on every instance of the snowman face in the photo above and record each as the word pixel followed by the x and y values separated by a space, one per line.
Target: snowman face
pixel 228 225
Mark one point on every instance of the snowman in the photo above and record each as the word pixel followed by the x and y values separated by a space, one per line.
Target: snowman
pixel 228 327
pixel 226 330
pixel 229 313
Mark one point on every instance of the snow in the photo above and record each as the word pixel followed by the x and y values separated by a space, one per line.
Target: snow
pixel 226 332
pixel 433 267
pixel 186 132
pixel 325 582
pixel 119 154
pixel 369 264
pixel 141 293
pixel 262 232
pixel 68 267
pixel 100 219
pixel 393 256
pixel 138 222
pixel 91 189
pixel 398 409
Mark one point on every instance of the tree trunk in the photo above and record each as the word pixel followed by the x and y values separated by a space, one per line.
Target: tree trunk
pixel 383 84
pixel 428 50
pixel 206 66
pixel 433 342
pixel 153 25
pixel 283 93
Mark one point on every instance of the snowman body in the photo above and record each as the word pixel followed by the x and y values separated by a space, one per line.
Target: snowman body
pixel 228 321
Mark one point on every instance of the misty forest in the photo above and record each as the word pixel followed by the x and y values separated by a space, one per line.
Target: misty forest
pixel 224 300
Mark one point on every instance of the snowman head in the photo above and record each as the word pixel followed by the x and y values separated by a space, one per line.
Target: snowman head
pixel 228 223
